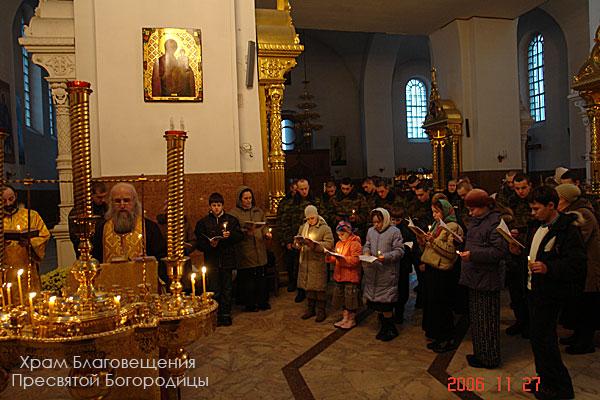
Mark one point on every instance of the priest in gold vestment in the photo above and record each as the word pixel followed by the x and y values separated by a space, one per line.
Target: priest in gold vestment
pixel 118 236
pixel 16 255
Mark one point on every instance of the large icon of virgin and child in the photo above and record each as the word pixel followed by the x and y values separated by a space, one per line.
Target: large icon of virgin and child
pixel 172 64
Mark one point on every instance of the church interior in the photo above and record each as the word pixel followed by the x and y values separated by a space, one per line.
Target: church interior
pixel 164 104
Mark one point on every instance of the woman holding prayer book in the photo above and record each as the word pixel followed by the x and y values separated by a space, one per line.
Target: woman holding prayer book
pixel 437 261
pixel 380 277
pixel 346 274
pixel 253 291
pixel 313 237
pixel 483 269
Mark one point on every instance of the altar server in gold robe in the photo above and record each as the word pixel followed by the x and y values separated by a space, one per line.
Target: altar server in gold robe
pixel 16 255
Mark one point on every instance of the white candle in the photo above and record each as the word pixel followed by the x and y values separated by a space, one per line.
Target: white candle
pixel 51 302
pixel 19 273
pixel 225 226
pixel 8 286
pixel 193 278
pixel 31 296
pixel 203 283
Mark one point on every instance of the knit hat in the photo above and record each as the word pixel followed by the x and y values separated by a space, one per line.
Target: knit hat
pixel 478 198
pixel 568 191
pixel 558 173
pixel 311 211
pixel 344 226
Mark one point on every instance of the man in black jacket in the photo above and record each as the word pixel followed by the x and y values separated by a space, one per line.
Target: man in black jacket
pixel 557 260
pixel 216 236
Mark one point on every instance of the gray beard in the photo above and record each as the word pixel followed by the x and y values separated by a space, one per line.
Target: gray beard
pixel 124 222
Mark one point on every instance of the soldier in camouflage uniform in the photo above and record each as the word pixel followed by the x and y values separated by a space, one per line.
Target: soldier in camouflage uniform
pixel 291 217
pixel 327 202
pixel 349 205
pixel 389 200
pixel 419 210
pixel 369 191
pixel 516 271
pixel 507 190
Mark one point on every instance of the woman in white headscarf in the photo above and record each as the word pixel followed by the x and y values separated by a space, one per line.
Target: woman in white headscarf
pixel 380 278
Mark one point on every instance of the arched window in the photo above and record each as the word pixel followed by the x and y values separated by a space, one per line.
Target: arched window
pixel 535 72
pixel 26 79
pixel 288 134
pixel 416 109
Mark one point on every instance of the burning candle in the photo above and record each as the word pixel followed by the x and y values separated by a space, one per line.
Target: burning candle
pixel 18 227
pixel 225 226
pixel 2 293
pixel 19 273
pixel 193 278
pixel 51 302
pixel 203 283
pixel 31 296
pixel 428 227
pixel 8 286
pixel 117 300
pixel 353 211
pixel 378 253
pixel 270 230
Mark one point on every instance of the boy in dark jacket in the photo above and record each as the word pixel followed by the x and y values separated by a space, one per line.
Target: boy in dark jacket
pixel 216 236
pixel 557 261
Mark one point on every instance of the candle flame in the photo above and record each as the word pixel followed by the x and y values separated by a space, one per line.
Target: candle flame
pixel 52 300
pixel 193 276
pixel 20 272
pixel 18 227
pixel 32 295
pixel 9 285
pixel 203 270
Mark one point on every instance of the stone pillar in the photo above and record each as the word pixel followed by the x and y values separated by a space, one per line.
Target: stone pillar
pixel 50 39
pixel 580 104
pixel 64 247
pixel 526 123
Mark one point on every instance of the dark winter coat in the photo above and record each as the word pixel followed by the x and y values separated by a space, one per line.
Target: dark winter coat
pixel 252 250
pixel 486 268
pixel 564 253
pixel 590 232
pixel 223 256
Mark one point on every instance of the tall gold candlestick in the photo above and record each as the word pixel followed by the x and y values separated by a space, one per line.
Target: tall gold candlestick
pixel 31 296
pixel 8 286
pixel 203 283
pixel 193 278
pixel 19 273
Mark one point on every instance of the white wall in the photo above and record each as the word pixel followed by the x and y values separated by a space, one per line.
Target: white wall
pixel 482 80
pixel 127 132
pixel 377 100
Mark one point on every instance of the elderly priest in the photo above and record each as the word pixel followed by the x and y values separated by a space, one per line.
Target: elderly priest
pixel 118 236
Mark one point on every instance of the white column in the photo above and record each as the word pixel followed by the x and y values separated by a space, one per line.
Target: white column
pixel 50 39
pixel 579 103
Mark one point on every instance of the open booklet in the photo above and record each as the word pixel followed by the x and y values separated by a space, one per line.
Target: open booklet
pixel 417 231
pixel 502 229
pixel 213 238
pixel 445 227
pixel 333 253
pixel 366 258
pixel 254 223
pixel 304 240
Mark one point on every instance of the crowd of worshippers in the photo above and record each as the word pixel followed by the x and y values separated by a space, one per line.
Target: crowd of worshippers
pixel 549 260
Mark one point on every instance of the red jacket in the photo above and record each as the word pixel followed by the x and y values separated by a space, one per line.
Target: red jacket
pixel 347 269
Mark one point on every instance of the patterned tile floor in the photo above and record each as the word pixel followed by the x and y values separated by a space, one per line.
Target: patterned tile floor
pixel 276 355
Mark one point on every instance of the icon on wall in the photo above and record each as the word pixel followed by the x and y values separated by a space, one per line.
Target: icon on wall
pixel 172 64
pixel 337 150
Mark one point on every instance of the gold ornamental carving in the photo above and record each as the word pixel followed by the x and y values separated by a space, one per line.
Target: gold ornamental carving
pixel 587 83
pixel 278 47
pixel 443 125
